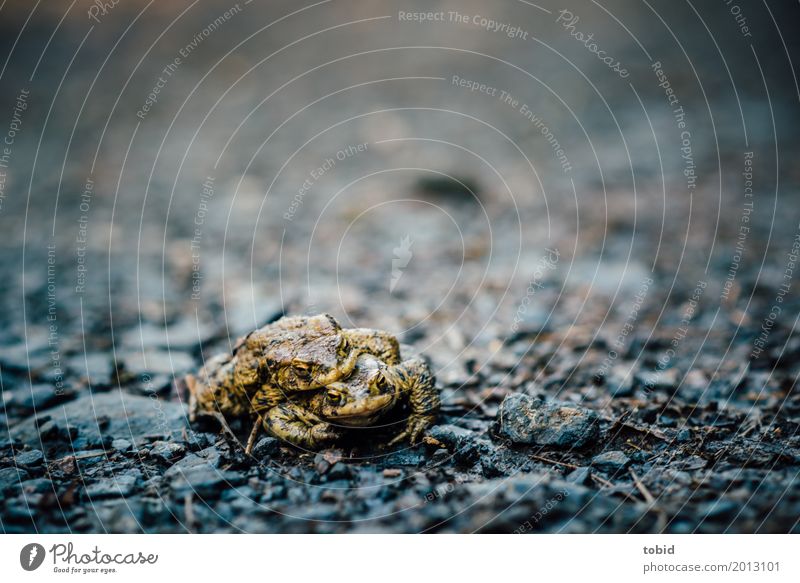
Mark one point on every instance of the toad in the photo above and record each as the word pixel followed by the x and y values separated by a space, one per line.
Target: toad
pixel 315 419
pixel 295 355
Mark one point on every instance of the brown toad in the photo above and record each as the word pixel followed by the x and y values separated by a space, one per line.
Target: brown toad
pixel 292 356
pixel 314 419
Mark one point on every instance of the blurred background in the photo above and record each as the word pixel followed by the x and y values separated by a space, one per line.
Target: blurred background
pixel 514 188
pixel 256 99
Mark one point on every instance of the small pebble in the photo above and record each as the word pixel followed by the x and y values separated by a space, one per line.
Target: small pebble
pixel 611 461
pixel 265 447
pixel 30 458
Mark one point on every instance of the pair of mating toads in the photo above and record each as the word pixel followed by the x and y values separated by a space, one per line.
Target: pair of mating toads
pixel 306 379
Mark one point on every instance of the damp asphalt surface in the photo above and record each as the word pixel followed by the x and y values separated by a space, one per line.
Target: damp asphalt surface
pixel 599 259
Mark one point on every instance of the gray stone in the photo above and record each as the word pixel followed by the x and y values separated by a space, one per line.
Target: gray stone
pixel 19 356
pixel 405 457
pixel 609 277
pixel 197 440
pixel 91 457
pixel 138 363
pixel 440 457
pixel 37 486
pixel 339 471
pixel 167 451
pixel 96 368
pixel 611 461
pixel 620 380
pixel 97 417
pixel 581 476
pixel 183 335
pixel 53 430
pixel 10 478
pixel 451 436
pixel 32 397
pixel 115 486
pixel 265 447
pixel 121 444
pixel 523 419
pixel 209 457
pixel 30 458
pixel 204 481
pixel 664 380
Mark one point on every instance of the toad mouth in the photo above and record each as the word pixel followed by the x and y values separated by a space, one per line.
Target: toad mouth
pixel 376 406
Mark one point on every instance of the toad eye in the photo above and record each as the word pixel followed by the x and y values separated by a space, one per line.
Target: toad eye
pixel 334 397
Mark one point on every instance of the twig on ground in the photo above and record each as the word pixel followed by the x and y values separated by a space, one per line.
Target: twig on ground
pixel 251 441
pixel 608 484
pixel 642 488
pixel 224 424
pixel 662 516
pixel 549 461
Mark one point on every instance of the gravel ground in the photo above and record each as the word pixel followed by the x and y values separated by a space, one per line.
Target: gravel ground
pixel 599 258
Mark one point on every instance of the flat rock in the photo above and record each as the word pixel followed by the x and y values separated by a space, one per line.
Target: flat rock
pixel 183 335
pixel 265 447
pixel 11 477
pixel 581 476
pixel 29 398
pixel 94 368
pixel 523 419
pixel 408 456
pixel 167 451
pixel 115 486
pixel 209 458
pixel 662 380
pixel 156 362
pixel 451 436
pixel 204 481
pixel 98 418
pixel 30 458
pixel 121 444
pixel 611 461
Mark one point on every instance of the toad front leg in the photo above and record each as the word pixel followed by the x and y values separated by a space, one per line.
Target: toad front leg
pixel 294 424
pixel 414 378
